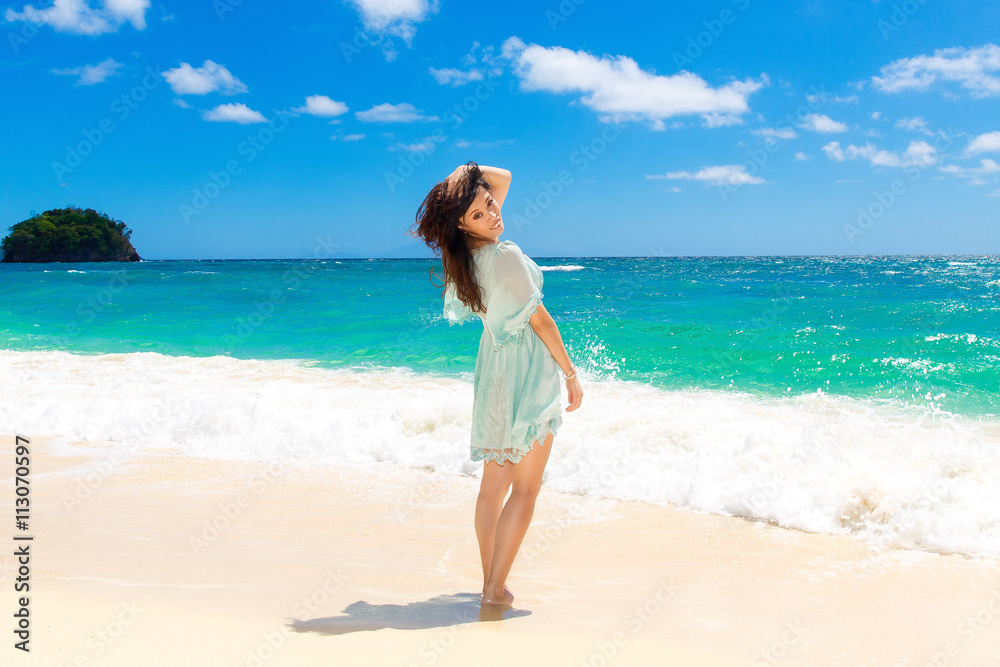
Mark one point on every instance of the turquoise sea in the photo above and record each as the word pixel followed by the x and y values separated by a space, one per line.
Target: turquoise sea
pixel 919 330
pixel 857 394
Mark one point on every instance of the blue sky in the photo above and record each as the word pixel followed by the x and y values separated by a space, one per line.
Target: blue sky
pixel 238 129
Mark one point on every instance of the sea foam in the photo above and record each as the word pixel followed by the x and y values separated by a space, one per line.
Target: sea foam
pixel 892 474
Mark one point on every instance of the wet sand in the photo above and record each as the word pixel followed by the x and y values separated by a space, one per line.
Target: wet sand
pixel 170 560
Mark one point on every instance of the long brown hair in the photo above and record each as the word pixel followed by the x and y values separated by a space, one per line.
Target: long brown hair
pixel 437 224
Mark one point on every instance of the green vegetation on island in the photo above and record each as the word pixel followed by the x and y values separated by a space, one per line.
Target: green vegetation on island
pixel 69 235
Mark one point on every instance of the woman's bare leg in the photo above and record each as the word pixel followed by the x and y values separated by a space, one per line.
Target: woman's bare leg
pixel 492 490
pixel 514 520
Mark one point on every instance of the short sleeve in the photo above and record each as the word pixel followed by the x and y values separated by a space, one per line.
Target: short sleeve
pixel 455 311
pixel 514 296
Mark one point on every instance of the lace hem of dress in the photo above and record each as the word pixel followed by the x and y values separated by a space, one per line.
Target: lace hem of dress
pixel 514 336
pixel 535 437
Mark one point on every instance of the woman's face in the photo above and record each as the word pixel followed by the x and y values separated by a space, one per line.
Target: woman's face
pixel 483 217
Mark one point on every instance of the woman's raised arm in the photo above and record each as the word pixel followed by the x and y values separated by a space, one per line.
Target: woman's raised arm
pixel 499 180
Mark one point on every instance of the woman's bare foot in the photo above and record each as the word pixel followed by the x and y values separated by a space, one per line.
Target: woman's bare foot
pixel 504 599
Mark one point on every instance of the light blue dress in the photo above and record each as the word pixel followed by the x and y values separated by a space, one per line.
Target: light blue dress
pixel 516 400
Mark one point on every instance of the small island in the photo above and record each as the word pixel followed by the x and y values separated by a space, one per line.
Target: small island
pixel 69 235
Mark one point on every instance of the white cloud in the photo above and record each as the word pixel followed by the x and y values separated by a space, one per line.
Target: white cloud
pixel 814 99
pixel 393 113
pixel 456 77
pixel 721 119
pixel 181 103
pixel 91 74
pixel 775 133
pixel 425 146
pixel 985 173
pixel 971 68
pixel 321 105
pixel 352 137
pixel 726 174
pixel 395 17
pixel 615 87
pixel 463 143
pixel 834 151
pixel 801 157
pixel 481 61
pixel 78 17
pixel 234 113
pixel 487 59
pixel 817 122
pixel 915 124
pixel 917 154
pixel 984 143
pixel 210 77
pixel 875 115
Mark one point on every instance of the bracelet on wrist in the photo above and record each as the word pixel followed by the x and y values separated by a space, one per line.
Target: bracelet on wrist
pixel 572 373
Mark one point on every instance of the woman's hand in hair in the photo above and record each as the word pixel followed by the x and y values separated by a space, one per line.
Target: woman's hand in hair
pixel 451 182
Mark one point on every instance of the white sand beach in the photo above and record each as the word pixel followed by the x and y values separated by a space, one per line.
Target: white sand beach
pixel 170 560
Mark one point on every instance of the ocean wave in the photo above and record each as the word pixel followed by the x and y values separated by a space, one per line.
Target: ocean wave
pixel 563 267
pixel 969 339
pixel 892 474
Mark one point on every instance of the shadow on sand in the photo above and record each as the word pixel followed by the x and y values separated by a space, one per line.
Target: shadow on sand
pixel 438 612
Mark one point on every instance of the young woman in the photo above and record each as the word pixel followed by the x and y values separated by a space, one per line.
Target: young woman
pixel 516 405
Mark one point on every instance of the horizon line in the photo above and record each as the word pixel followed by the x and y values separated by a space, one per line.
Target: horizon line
pixel 435 257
